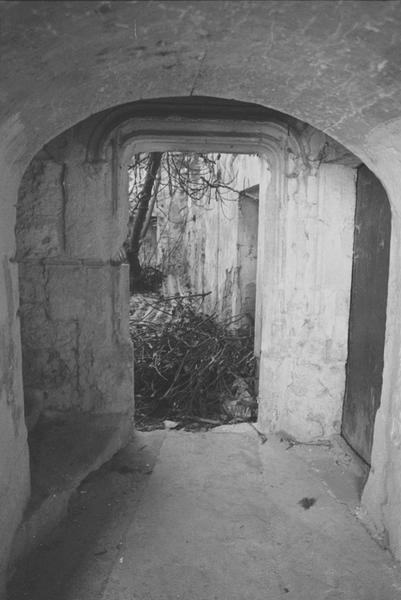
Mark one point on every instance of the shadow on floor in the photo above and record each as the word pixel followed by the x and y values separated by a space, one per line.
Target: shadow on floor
pixel 84 547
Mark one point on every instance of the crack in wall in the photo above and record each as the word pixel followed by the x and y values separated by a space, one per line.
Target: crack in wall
pixel 77 355
pixel 201 59
pixel 46 293
pixel 64 201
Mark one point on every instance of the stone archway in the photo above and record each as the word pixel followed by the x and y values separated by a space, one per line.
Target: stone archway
pixel 85 235
pixel 350 88
pixel 72 221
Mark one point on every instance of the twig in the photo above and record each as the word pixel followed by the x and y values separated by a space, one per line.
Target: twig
pixel 203 294
pixel 262 437
pixel 176 376
pixel 202 420
pixel 292 442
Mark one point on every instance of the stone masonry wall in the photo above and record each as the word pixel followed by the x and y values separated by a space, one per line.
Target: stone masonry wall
pixel 76 349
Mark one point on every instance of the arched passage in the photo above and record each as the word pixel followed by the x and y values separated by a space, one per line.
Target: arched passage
pixel 350 87
pixel 72 218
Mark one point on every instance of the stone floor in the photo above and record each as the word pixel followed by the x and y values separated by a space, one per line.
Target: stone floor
pixel 214 515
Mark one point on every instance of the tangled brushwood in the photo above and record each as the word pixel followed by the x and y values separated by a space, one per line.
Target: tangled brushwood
pixel 189 365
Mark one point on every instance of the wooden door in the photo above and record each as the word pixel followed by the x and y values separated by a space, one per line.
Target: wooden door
pixel 367 313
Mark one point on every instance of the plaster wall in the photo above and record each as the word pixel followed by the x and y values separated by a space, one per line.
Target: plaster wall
pixel 172 250
pixel 14 458
pixel 203 239
pixel 73 302
pixel 241 171
pixel 248 253
pixel 220 269
pixel 305 303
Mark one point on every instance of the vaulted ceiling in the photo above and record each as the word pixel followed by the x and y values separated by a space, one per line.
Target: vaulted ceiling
pixel 334 64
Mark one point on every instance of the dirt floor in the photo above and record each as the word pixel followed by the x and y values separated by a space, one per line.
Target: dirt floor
pixel 217 515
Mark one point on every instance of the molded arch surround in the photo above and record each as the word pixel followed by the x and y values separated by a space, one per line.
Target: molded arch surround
pixel 300 262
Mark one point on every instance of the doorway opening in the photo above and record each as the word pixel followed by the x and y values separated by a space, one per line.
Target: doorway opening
pixel 192 250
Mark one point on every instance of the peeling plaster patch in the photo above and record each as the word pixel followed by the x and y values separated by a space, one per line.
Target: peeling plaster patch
pixel 381 65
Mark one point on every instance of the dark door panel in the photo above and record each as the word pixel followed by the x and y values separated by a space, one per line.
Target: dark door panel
pixel 367 312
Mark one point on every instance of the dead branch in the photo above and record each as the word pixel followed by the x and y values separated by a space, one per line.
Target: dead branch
pixel 191 364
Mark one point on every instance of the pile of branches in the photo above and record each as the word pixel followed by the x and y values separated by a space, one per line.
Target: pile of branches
pixel 189 365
